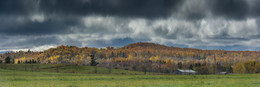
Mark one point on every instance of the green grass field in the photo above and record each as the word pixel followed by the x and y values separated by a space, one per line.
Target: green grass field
pixel 83 76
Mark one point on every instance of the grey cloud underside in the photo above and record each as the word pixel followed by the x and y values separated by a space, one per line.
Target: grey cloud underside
pixel 15 24
pixel 37 24
pixel 230 8
pixel 130 8
pixel 134 8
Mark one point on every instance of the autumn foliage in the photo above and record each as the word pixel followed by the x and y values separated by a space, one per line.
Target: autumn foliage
pixel 147 56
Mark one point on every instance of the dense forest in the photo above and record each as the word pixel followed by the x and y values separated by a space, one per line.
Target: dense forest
pixel 146 57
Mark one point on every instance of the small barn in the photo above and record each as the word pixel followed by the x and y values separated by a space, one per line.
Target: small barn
pixel 223 73
pixel 185 72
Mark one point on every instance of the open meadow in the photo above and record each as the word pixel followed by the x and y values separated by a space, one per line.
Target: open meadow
pixel 70 76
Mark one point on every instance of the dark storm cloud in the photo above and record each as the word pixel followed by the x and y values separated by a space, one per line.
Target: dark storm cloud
pixel 230 8
pixel 254 7
pixel 130 8
pixel 186 23
pixel 124 8
pixel 236 9
pixel 49 26
pixel 13 7
pixel 61 14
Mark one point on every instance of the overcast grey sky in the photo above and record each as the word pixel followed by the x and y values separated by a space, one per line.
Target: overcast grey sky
pixel 204 24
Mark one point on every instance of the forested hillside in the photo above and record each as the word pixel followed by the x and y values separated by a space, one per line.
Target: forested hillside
pixel 147 57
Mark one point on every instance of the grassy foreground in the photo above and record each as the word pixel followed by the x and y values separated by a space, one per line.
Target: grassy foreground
pixel 48 78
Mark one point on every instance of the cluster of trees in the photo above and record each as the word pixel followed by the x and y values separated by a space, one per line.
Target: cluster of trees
pixel 27 61
pixel 247 67
pixel 147 57
pixel 8 60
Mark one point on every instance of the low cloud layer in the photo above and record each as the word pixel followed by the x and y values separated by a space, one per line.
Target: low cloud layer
pixel 204 24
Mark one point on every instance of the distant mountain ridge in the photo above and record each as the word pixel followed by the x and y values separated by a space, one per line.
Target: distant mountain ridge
pixel 144 44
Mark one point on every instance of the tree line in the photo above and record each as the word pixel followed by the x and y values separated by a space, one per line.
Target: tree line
pixel 147 57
